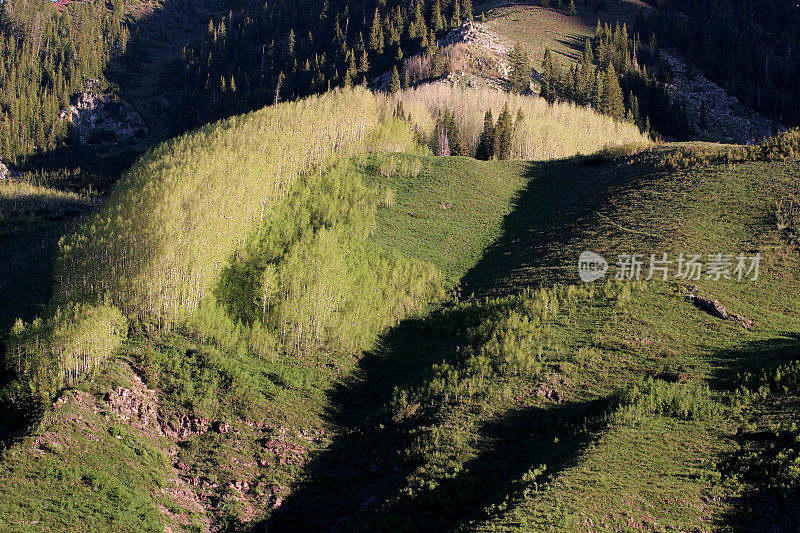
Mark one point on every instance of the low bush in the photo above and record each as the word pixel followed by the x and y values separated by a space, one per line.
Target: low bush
pixel 686 401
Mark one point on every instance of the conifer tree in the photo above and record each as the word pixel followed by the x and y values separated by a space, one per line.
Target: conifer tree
pixel 277 98
pixel 466 9
pixel 597 91
pixel 376 42
pixel 455 22
pixel 612 101
pixel 457 146
pixel 520 69
pixel 503 133
pixel 485 148
pixel 363 64
pixel 547 63
pixel 548 77
pixel 571 11
pixel 394 83
pixel 437 21
pixel 588 55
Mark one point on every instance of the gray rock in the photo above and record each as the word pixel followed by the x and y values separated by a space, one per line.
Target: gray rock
pixel 712 307
pixel 103 118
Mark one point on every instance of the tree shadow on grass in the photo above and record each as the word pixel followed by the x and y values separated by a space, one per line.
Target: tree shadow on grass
pixel 530 442
pixel 551 217
pixel 765 504
pixel 754 357
pixel 574 43
pixel 358 481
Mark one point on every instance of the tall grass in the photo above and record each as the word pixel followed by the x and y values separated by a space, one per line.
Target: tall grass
pixel 546 132
pixel 23 199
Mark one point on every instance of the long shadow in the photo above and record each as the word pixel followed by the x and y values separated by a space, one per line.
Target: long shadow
pixel 557 210
pixel 755 357
pixel 362 468
pixel 768 502
pixel 510 447
pixel 30 228
pixel 357 482
pixel 574 43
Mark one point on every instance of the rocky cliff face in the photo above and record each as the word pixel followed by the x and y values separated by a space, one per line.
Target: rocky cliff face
pixel 103 119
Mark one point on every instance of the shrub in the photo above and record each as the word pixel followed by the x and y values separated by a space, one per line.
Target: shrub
pixel 784 146
pixel 686 401
pixel 788 212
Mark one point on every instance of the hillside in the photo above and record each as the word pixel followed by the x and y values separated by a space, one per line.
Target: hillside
pixel 410 406
pixel 266 267
pixel 380 266
pixel 523 411
pixel 713 109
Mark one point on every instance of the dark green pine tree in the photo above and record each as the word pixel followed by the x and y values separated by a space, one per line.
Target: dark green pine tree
pixel 548 77
pixel 571 10
pixel 394 82
pixel 376 42
pixel 613 103
pixel 503 134
pixel 520 69
pixel 437 21
pixel 466 9
pixel 597 91
pixel 457 146
pixel 588 55
pixel 485 148
pixel 455 22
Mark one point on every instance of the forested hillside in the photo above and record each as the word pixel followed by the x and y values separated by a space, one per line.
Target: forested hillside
pixel 750 48
pixel 46 55
pixel 281 50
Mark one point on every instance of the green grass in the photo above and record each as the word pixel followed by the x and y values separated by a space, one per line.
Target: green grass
pixel 504 411
pixel 82 471
pixel 537 28
pixel 456 438
pixel 450 212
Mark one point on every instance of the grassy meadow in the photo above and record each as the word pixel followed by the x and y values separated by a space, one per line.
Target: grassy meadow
pixel 353 334
pixel 537 28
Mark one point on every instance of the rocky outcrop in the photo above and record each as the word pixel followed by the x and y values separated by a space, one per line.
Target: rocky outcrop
pixel 715 308
pixel 480 36
pixel 7 174
pixel 477 34
pixel 712 307
pixel 482 58
pixel 726 119
pixel 103 119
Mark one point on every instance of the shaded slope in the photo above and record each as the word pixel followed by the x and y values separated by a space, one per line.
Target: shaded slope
pixel 420 449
